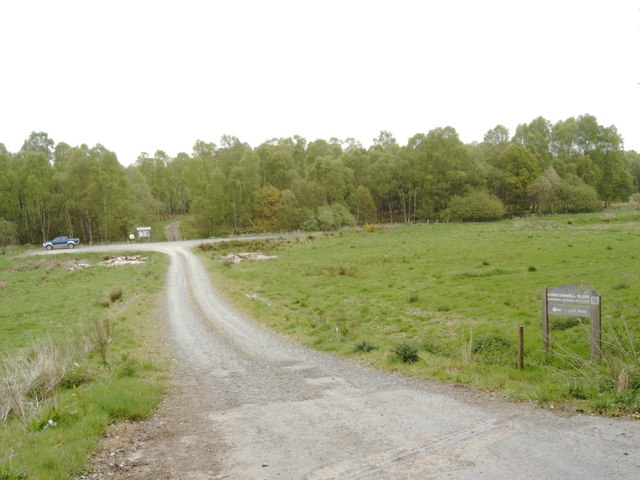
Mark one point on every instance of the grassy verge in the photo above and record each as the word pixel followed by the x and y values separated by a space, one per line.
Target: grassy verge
pixel 445 301
pixel 79 349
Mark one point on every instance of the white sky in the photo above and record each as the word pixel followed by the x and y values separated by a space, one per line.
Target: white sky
pixel 145 75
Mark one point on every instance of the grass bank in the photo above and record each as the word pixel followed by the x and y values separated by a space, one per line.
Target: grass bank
pixel 80 348
pixel 445 301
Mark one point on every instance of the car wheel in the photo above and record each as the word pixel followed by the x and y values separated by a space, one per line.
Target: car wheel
pixel 71 245
pixel 49 247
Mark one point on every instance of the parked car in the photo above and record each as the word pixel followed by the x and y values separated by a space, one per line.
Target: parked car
pixel 61 242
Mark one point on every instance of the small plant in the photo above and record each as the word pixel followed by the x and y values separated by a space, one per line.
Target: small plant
pixel 100 337
pixel 127 366
pixel 531 269
pixel 369 227
pixel 485 263
pixel 405 352
pixel 413 298
pixel 364 346
pixel 3 285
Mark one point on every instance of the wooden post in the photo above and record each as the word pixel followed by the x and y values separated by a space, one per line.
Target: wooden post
pixel 596 331
pixel 545 321
pixel 520 348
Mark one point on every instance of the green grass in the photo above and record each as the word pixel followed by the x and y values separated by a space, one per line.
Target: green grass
pixel 48 308
pixel 460 291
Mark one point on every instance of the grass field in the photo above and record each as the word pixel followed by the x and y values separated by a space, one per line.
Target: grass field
pixel 452 296
pixel 79 349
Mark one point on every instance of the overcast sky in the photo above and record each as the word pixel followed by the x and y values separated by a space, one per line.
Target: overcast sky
pixel 138 76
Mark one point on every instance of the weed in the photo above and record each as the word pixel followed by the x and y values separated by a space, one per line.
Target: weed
pixel 369 227
pixel 364 346
pixel 3 285
pixel 413 298
pixel 531 269
pixel 405 352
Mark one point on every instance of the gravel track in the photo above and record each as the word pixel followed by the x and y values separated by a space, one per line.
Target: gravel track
pixel 249 404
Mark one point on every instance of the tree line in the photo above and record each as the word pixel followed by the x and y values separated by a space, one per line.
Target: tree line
pixel 574 165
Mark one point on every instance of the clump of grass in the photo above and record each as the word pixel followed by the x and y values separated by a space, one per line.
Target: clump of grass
pixel 490 344
pixel 7 473
pixel 115 295
pixel 127 366
pixel 30 377
pixel 3 285
pixel 205 247
pixel 342 272
pixel 405 352
pixel 531 269
pixel 413 298
pixel 364 346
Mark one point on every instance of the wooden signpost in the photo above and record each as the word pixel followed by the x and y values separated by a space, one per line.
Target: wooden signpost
pixel 573 300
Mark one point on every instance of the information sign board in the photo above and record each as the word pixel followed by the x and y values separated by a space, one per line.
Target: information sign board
pixel 573 300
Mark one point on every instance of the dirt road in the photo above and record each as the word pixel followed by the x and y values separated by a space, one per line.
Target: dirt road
pixel 251 405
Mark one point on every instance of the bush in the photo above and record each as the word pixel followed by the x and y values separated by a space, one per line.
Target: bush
pixel 475 206
pixel 331 217
pixel 576 198
pixel 405 352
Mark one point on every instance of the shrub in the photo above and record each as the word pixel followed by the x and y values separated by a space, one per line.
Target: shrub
pixel 369 227
pixel 405 352
pixel 576 198
pixel 475 206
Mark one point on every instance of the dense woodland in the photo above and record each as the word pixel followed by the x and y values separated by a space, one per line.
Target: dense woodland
pixel 574 165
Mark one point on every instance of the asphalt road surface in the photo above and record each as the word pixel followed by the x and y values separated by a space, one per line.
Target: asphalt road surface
pixel 253 405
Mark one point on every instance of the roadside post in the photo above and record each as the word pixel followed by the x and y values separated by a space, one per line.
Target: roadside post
pixel 574 300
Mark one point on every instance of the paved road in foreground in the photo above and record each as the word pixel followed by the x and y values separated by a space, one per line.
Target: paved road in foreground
pixel 286 412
